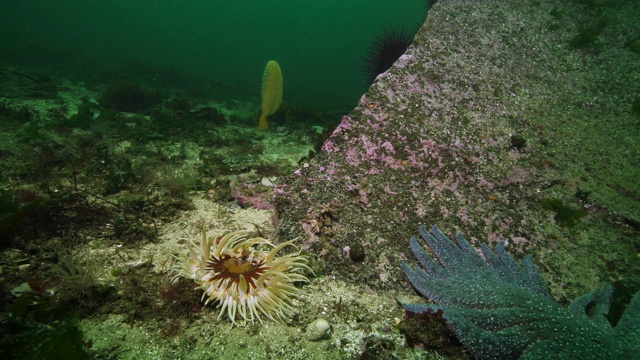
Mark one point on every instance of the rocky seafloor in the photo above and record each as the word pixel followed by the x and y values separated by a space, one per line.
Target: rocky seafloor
pixel 505 120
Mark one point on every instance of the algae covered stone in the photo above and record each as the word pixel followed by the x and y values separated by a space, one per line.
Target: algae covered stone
pixel 319 329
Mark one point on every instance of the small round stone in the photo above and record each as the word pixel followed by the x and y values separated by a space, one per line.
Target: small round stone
pixel 318 330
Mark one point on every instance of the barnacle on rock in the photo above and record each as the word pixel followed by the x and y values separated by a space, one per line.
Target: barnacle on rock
pixel 244 275
pixel 501 311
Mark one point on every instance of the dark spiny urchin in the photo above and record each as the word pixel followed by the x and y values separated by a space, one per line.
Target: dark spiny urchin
pixel 430 3
pixel 500 310
pixel 387 47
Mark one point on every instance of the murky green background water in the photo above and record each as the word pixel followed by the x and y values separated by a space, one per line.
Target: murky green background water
pixel 319 44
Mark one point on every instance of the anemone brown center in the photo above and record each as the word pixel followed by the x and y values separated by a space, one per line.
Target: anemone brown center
pixel 234 268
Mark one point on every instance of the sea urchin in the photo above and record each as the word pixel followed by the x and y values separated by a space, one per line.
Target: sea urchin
pixel 244 275
pixel 387 47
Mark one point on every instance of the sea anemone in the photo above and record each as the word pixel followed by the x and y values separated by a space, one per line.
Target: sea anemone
pixel 387 47
pixel 176 181
pixel 244 275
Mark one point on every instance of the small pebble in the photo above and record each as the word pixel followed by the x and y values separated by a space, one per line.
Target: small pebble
pixel 318 330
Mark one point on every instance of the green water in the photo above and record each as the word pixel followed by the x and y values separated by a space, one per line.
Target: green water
pixel 319 44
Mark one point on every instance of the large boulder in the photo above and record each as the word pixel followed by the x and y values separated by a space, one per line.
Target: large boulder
pixel 513 120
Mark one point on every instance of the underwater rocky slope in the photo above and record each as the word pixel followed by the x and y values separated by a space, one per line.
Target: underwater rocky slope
pixel 506 118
